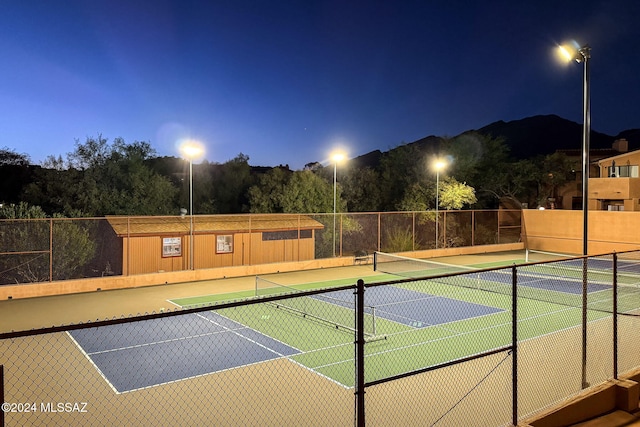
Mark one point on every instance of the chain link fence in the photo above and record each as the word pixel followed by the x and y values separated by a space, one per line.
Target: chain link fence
pixel 443 346
pixel 42 250
pixel 246 363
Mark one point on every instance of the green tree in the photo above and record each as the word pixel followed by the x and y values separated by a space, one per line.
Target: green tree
pixel 11 157
pixel 557 169
pixel 417 198
pixel 515 181
pixel 474 154
pixel 282 191
pixel 266 196
pixel 21 210
pixel 483 161
pixel 306 192
pixel 361 190
pixel 400 168
pixel 454 195
pixel 114 180
pixel 15 175
pixel 232 180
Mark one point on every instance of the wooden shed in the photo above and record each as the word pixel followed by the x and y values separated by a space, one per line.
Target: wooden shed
pixel 159 244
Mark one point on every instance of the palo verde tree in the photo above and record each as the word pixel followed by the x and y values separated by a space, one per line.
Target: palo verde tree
pixel 454 195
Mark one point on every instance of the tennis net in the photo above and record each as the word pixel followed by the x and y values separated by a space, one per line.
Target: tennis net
pixel 334 308
pixel 413 267
pixel 558 282
pixel 627 263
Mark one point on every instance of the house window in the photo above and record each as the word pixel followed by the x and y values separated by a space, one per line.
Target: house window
pixel 171 246
pixel 224 244
pixel 286 235
pixel 623 171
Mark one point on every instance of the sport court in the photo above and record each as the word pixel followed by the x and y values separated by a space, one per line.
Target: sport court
pixel 211 341
pixel 406 320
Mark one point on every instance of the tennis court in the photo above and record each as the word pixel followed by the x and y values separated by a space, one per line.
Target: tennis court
pixel 410 325
pixel 214 341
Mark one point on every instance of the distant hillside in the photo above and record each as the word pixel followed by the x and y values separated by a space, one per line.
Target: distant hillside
pixel 371 159
pixel 529 137
pixel 542 135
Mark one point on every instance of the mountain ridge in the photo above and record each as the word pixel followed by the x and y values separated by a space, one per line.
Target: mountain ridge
pixel 527 138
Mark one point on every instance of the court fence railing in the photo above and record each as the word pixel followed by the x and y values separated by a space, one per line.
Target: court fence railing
pixel 477 348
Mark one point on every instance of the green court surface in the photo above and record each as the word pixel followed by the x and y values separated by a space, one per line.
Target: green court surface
pixel 395 347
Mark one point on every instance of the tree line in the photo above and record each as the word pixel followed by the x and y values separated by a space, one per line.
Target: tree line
pixel 118 178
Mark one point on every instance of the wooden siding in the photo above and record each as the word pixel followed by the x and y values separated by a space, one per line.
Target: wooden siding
pixel 143 254
pixel 142 241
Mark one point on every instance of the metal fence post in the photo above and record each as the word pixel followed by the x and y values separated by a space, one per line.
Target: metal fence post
pixel 615 315
pixel 514 350
pixel 51 250
pixel 1 394
pixel 360 417
pixel 585 274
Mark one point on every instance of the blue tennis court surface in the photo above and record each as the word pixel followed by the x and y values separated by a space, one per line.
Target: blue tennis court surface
pixel 417 309
pixel 152 352
pixel 543 282
pixel 603 264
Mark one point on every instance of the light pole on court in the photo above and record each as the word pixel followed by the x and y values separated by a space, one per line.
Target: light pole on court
pixel 191 150
pixel 582 54
pixel 438 165
pixel 336 157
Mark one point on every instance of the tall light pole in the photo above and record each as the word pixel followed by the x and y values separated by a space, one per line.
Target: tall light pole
pixel 336 157
pixel 438 165
pixel 583 54
pixel 191 150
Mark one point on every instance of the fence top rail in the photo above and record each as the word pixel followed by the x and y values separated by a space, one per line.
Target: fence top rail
pixel 172 313
pixel 244 215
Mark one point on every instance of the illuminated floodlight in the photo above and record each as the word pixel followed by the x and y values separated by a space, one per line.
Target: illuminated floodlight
pixel 191 150
pixel 573 52
pixel 439 165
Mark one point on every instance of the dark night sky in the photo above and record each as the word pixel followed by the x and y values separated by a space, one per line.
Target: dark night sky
pixel 285 82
